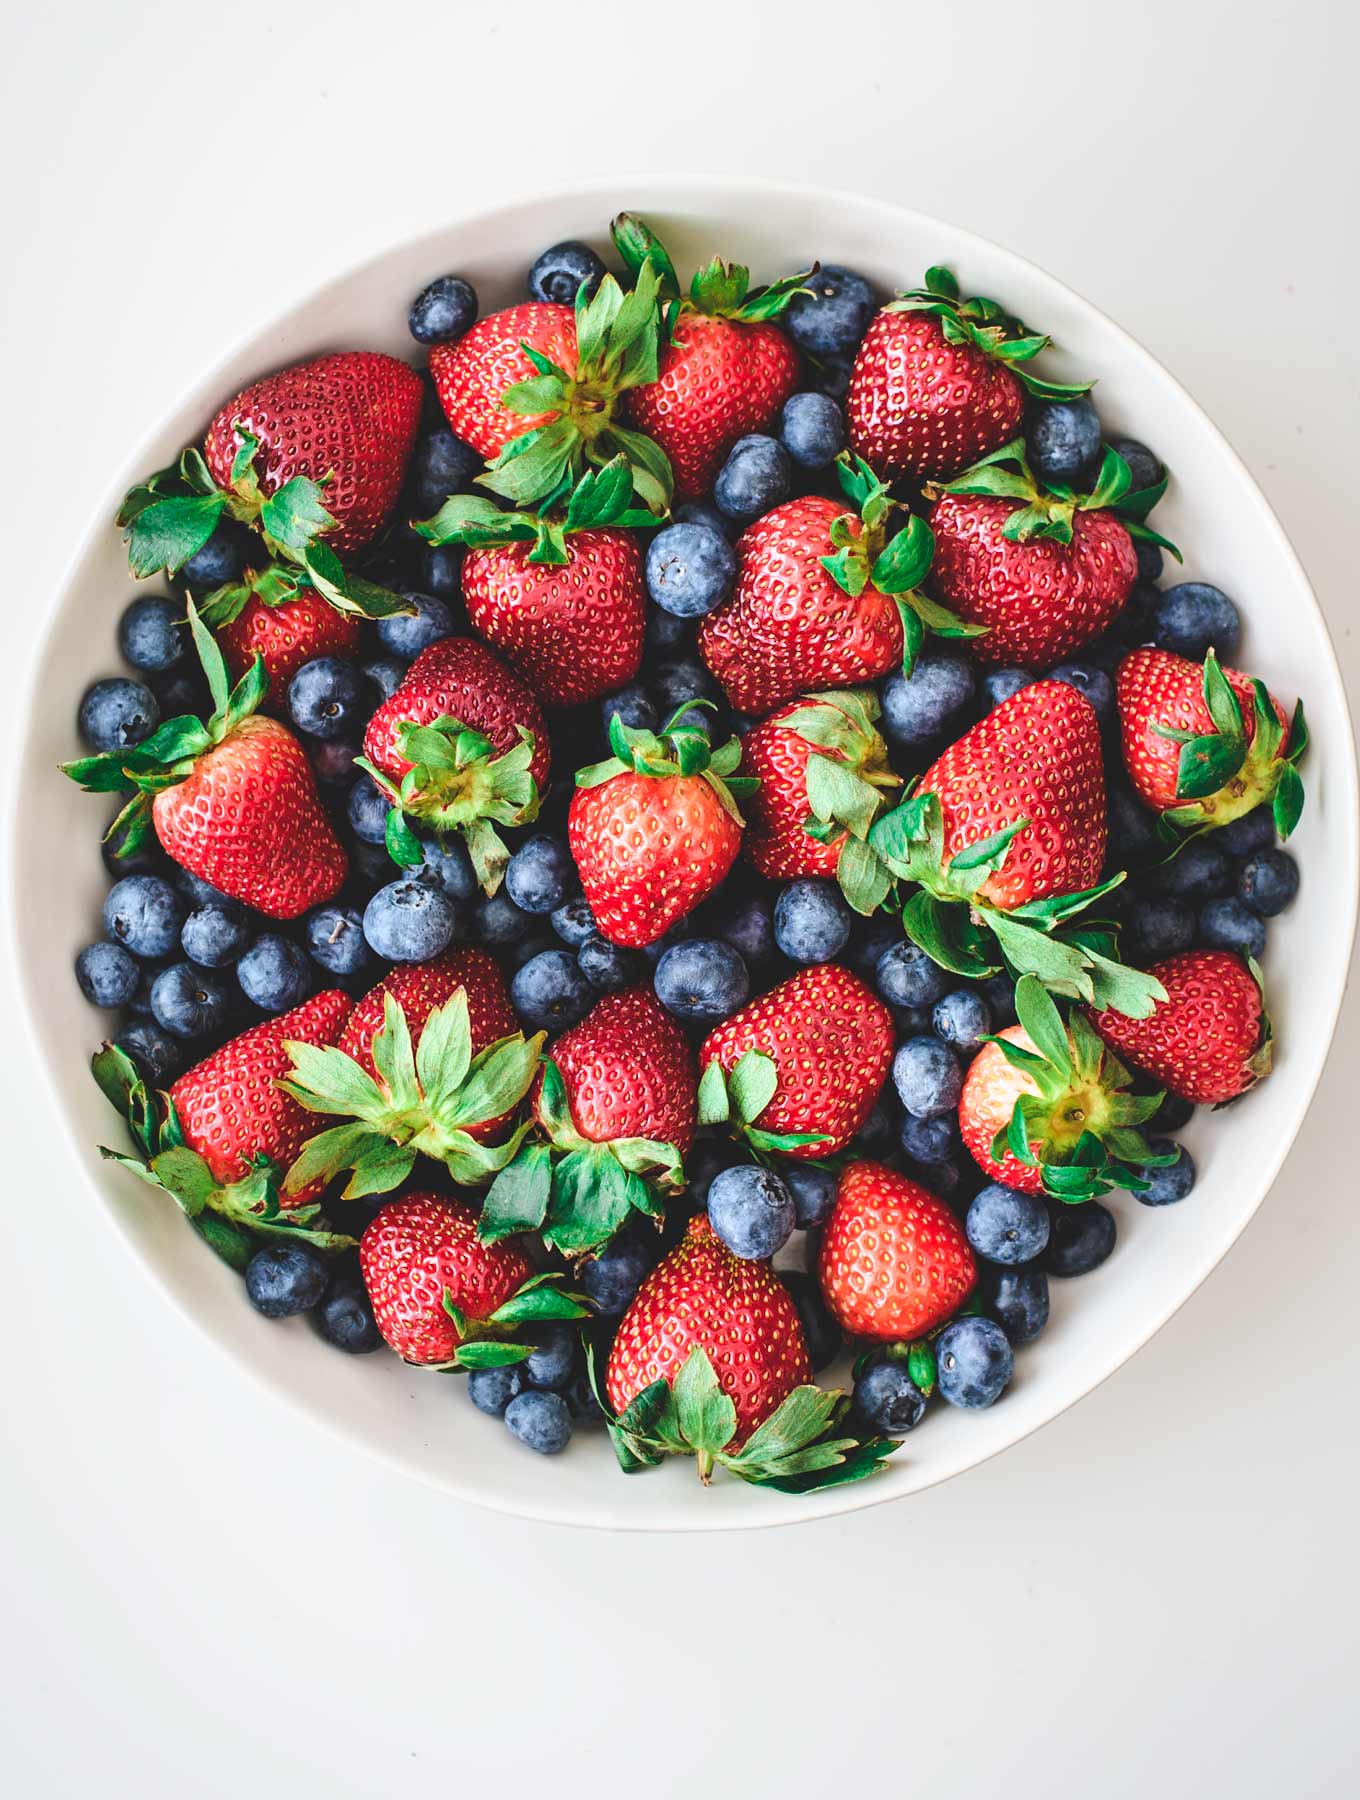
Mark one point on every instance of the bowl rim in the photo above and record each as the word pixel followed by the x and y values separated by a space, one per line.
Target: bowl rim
pixel 202 394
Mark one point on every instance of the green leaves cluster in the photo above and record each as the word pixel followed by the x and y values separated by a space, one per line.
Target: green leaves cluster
pixel 1046 509
pixel 678 749
pixel 983 325
pixel 738 1097
pixel 720 290
pixel 487 1344
pixel 849 779
pixel 1220 775
pixel 602 499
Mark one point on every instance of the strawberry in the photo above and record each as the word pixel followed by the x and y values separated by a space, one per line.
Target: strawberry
pixel 1210 1039
pixel 894 1262
pixel 421 987
pixel 459 747
pixel 825 596
pixel 725 368
pixel 654 829
pixel 798 1069
pixel 1203 744
pixel 286 636
pixel 472 375
pixel 938 382
pixel 232 800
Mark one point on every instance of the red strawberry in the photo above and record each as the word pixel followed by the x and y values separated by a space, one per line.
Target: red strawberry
pixel 419 988
pixel 803 1063
pixel 654 830
pixel 990 1091
pixel 1209 1040
pixel 1206 744
pixel 894 1261
pixel 937 382
pixel 627 1072
pixel 471 376
pixel 284 637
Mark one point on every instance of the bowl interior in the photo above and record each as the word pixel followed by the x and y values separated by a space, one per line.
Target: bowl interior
pixel 1229 535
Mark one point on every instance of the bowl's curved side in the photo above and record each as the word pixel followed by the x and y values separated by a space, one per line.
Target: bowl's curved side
pixel 1215 508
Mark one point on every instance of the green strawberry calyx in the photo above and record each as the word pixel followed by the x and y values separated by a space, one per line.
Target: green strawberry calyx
pixel 802 1446
pixel 737 1097
pixel 232 1218
pixel 601 500
pixel 983 325
pixel 1046 509
pixel 1220 775
pixel 868 553
pixel 425 1100
pixel 574 1191
pixel 676 750
pixel 719 290
pixel 849 781
pixel 491 1342
pixel 954 924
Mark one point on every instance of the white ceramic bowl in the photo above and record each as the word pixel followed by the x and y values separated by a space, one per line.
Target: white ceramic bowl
pixel 1230 536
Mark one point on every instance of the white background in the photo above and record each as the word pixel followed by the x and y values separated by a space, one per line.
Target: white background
pixel 205 1596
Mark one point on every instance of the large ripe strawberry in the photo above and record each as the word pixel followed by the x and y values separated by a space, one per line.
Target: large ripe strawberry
pixel 1203 744
pixel 232 800
pixel 654 829
pixel 940 380
pixel 724 369
pixel 460 747
pixel 1210 1039
pixel 286 636
pixel 894 1262
pixel 421 987
pixel 798 1069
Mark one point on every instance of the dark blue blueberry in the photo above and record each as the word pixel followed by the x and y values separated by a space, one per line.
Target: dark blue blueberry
pixel 1268 882
pixel 333 761
pixel 812 430
pixel 117 713
pixel 667 635
pixel 367 808
pixel 283 1279
pixel 945 1178
pixel 1150 559
pixel 999 992
pixel 1080 1238
pixel 497 921
pixel 831 319
pixel 887 1401
pixel 335 939
pixel 562 271
pixel 1253 831
pixel 189 1003
pixel 962 1019
pixel 679 681
pixel 329 698
pixel 701 978
pixel 757 476
pixel 158 1056
pixel 1157 926
pixel 440 572
pixel 869 940
pixel 877 1136
pixel 344 1316
pixel 540 875
pixel 181 691
pixel 107 975
pixel 514 956
pixel 153 634
pixel 974 1362
pixel 831 375
pixel 609 1281
pixel 821 1333
pixel 1091 683
pixel 1199 871
pixel 999 685
pixel 144 914
pixel 746 921
pixel 1006 1226
pixel 581 1402
pixel 492 1390
pixel 1134 624
pixel 932 1140
pixel 919 706
pixel 633 705
pixel 813 1191
pixel 574 923
pixel 811 921
pixel 690 569
pixel 443 311
pixel 221 559
pixel 410 921
pixel 680 933
pixel 385 675
pixel 701 512
pixel 369 864
pixel 275 974
pixel 215 935
pixel 709 1157
pixel 1232 925
pixel 1018 1300
pixel 550 1362
pixel 1063 442
pixel 610 967
pixel 447 865
pixel 1144 466
pixel 199 892
pixel 751 1210
pixel 540 1421
pixel 927 1076
pixel 146 859
pixel 550 992
pixel 407 634
pixel 1193 618
pixel 1133 827
pixel 906 976
pixel 442 464
pixel 1171 1182
pixel 1174 1114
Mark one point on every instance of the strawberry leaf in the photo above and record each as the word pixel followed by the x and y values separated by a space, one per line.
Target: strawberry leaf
pixel 517 1199
pixel 704 1414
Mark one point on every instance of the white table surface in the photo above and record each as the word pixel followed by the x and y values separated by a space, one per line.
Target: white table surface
pixel 205 1596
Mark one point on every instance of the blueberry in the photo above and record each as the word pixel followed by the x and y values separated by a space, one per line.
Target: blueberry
pixel 540 1421
pixel 1193 618
pixel 367 808
pixel 158 1056
pixel 887 1402
pixel 927 1077
pixel 581 1402
pixel 812 430
pixel 746 922
pixel 633 705
pixel 707 1160
pixel 962 1019
pixel 690 569
pixel 214 936
pixel 1018 1300
pixel 440 572
pixel 369 864
pixel 1134 623
pixel 540 875
pixel 831 319
pixel 550 992
pixel 678 681
pixel 492 1390
pixel 514 956
pixel 1174 1114
pixel 811 921
pixel 144 914
pixel 328 698
pixel 561 272
pixel 945 1178
pixel 1133 827
pixel 609 967
pixel 335 939
pixel 1080 1238
pixel 197 891
pixel 1006 1226
pixel 549 1364
pixel 974 1362
pixel 1253 831
pixel 999 685
pixel 574 922
pixel 919 706
pixel 410 921
pixel 1172 1181
pixel 1200 871
pixel 117 713
pixel 1063 442
pixel 441 464
pixel 333 761
pixel 146 859
pixel 385 674
pixel 1232 925
pixel 1158 926
pixel 932 1140
pixel 107 975
pixel 221 559
pixel 1144 466
pixel 443 311
pixel 283 1279
pixel 701 978
pixel 757 476
pixel 344 1316
pixel 831 375
pixel 1149 558
pixel 498 922
pixel 1268 882
pixel 667 635
pixel 877 1136
pixel 407 634
pixel 751 1210
pixel 813 1191
pixel 188 1002
pixel 906 975
pixel 999 992
pixel 446 864
pixel 1092 683
pixel 610 1279
pixel 275 974
pixel 180 691
pixel 153 635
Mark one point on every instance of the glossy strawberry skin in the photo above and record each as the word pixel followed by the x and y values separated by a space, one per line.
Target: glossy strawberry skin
pixel 831 1042
pixel 573 630
pixel 776 814
pixel 1156 688
pixel 894 1262
pixel 920 407
pixel 718 380
pixel 459 678
pixel 787 628
pixel 629 1072
pixel 416 1250
pixel 990 1091
pixel 1036 757
pixel 286 637
pixel 248 819
pixel 1040 600
pixel 648 850
pixel 230 1108
pixel 471 375
pixel 351 416
pixel 1201 1040
pixel 739 1313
